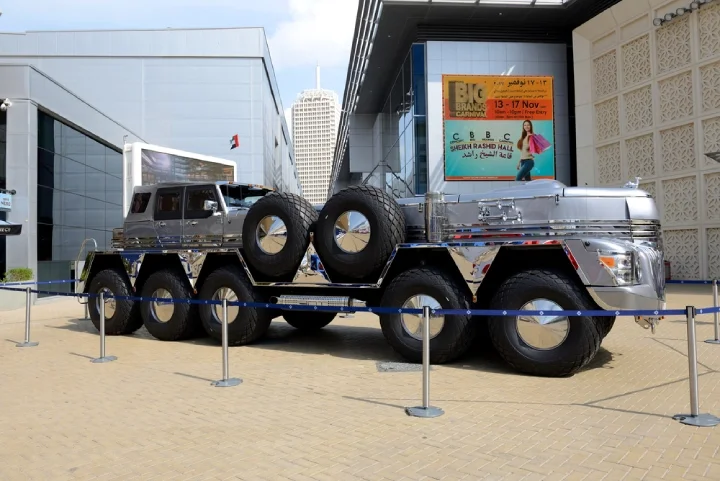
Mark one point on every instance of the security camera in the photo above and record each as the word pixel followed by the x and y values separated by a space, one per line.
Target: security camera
pixel 5 104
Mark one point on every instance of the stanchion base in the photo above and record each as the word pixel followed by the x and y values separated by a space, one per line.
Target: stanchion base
pixel 701 420
pixel 713 341
pixel 27 344
pixel 424 412
pixel 98 360
pixel 233 381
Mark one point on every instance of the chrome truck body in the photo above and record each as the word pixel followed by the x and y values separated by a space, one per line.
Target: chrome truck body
pixel 534 246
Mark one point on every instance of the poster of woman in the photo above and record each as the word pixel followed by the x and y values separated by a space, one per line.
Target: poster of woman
pixel 498 128
pixel 530 144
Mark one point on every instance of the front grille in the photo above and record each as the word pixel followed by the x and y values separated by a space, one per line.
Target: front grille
pixel 641 232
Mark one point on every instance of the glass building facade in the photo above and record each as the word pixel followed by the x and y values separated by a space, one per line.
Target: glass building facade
pixel 405 128
pixel 79 196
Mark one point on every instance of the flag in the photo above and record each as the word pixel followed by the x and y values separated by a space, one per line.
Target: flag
pixel 235 141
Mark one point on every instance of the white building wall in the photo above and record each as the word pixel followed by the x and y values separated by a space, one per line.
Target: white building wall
pixel 648 105
pixel 190 89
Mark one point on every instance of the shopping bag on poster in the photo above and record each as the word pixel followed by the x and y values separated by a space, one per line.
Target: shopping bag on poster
pixel 538 144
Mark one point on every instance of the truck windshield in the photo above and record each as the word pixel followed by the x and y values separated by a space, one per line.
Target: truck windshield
pixel 241 196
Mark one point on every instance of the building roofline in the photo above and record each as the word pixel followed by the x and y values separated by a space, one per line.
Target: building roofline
pixel 408 15
pixel 156 29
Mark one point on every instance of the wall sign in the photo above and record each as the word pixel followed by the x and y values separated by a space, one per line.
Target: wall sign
pixel 5 202
pixel 498 127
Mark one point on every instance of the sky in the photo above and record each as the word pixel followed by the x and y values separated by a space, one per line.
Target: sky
pixel 301 33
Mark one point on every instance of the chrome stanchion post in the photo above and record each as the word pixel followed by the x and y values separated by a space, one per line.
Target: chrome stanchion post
pixel 694 418
pixel 716 340
pixel 226 380
pixel 425 411
pixel 103 357
pixel 28 302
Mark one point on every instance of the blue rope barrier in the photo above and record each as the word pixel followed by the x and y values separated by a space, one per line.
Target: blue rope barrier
pixel 688 282
pixel 386 310
pixel 36 283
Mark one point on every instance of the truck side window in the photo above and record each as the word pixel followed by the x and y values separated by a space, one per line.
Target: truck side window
pixel 140 202
pixel 167 206
pixel 195 198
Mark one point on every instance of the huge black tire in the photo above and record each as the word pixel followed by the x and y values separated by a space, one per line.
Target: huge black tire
pixel 572 352
pixel 297 214
pixel 457 332
pixel 308 321
pixel 245 324
pixel 387 229
pixel 165 320
pixel 605 324
pixel 124 316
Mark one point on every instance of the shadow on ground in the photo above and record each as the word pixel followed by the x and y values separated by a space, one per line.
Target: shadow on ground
pixel 365 343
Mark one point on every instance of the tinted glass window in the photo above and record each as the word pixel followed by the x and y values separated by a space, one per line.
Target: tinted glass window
pixel 168 202
pixel 78 196
pixel 140 203
pixel 196 198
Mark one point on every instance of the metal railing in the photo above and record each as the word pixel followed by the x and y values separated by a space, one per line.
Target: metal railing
pixel 426 410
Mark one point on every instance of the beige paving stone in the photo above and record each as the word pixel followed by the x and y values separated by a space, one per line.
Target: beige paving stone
pixel 316 408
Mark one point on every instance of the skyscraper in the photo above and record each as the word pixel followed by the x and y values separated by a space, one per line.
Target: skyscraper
pixel 315 118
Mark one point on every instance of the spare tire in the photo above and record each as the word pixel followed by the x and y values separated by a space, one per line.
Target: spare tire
pixel 276 233
pixel 357 231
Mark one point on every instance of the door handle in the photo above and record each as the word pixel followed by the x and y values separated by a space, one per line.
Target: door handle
pixel 193 222
pixel 161 224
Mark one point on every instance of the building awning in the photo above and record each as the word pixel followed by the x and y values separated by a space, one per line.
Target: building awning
pixel 6 228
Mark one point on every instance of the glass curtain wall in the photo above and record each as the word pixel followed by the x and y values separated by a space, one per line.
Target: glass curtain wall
pixel 405 128
pixel 3 173
pixel 79 196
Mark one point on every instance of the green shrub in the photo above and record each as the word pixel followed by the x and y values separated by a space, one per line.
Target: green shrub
pixel 18 274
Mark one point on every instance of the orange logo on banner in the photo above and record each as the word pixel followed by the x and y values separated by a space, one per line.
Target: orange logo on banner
pixel 467 97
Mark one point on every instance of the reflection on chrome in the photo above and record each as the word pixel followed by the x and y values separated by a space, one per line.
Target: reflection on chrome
pixel 542 332
pixel 352 231
pixel 162 311
pixel 271 234
pixel 413 323
pixel 225 293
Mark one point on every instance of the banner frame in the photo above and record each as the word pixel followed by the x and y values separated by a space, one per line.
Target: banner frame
pixel 444 120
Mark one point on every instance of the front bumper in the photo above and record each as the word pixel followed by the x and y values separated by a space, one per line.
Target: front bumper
pixel 625 298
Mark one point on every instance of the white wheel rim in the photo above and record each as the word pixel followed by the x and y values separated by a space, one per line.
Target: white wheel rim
pixel 413 323
pixel 232 311
pixel 162 311
pixel 543 332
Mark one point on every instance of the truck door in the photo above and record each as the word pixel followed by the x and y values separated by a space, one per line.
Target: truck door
pixel 168 220
pixel 203 223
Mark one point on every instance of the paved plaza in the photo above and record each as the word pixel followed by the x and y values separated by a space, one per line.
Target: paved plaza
pixel 317 407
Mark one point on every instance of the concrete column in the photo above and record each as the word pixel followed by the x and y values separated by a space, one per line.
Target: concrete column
pixel 22 129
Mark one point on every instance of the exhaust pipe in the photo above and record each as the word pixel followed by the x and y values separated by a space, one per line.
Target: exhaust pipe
pixel 325 301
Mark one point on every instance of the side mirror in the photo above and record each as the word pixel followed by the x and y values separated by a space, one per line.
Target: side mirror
pixel 210 205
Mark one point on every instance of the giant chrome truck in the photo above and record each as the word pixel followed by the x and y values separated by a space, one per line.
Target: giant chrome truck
pixel 538 246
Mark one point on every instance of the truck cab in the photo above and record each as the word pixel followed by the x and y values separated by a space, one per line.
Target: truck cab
pixel 178 215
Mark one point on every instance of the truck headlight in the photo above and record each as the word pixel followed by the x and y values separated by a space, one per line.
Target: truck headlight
pixel 623 266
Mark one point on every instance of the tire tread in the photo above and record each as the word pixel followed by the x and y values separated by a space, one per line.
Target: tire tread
pixel 301 216
pixel 464 331
pixel 547 278
pixel 130 320
pixel 391 222
pixel 257 321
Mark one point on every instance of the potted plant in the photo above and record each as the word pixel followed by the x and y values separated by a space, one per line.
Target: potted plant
pixel 11 300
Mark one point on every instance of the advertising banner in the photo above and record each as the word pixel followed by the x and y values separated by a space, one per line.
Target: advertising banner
pixel 5 202
pixel 498 127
